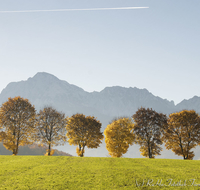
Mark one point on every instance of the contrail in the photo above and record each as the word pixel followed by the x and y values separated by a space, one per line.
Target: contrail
pixel 64 10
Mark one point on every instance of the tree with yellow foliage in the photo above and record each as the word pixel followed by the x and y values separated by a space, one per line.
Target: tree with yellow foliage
pixel 51 130
pixel 182 133
pixel 17 119
pixel 118 136
pixel 148 128
pixel 84 132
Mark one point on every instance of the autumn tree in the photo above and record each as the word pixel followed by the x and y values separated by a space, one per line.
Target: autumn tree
pixel 51 130
pixel 148 128
pixel 17 119
pixel 182 133
pixel 118 136
pixel 84 132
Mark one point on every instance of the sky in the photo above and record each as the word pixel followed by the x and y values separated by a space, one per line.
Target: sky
pixel 94 46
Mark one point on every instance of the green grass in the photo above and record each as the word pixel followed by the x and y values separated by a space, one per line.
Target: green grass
pixel 42 172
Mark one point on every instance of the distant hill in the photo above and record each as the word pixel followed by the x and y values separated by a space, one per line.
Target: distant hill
pixel 33 149
pixel 45 89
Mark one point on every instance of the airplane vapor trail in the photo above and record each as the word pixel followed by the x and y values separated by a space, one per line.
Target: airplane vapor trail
pixel 64 10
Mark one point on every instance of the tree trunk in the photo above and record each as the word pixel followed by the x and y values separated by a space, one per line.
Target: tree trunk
pixel 14 154
pixel 150 156
pixel 15 151
pixel 82 151
pixel 149 149
pixel 49 150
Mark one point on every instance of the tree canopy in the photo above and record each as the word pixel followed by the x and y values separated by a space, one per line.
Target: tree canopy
pixel 118 136
pixel 17 119
pixel 182 133
pixel 84 132
pixel 20 125
pixel 148 128
pixel 51 128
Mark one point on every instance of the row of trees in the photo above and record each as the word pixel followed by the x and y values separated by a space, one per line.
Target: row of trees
pixel 21 125
pixel 180 132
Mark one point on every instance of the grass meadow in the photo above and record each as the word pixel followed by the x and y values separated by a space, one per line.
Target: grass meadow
pixel 60 172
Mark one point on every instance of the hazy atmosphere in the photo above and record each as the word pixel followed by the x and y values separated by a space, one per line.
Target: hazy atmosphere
pixel 156 48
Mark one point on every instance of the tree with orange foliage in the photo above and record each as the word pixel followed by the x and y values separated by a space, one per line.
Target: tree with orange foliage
pixel 84 132
pixel 118 136
pixel 17 119
pixel 182 133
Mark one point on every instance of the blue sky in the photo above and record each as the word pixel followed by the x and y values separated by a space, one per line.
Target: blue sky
pixel 156 48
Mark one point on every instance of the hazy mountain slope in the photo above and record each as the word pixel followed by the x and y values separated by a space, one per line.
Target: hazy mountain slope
pixel 45 89
pixel 31 150
pixel 193 103
pixel 120 101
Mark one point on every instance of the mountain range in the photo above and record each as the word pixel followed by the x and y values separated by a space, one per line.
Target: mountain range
pixel 45 89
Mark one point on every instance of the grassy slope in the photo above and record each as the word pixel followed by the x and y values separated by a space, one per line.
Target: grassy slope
pixel 42 172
